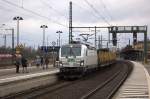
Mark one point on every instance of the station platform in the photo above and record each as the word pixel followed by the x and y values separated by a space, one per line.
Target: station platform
pixel 12 82
pixel 137 85
pixel 6 73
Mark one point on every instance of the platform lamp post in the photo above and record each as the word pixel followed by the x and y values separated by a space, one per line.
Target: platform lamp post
pixel 59 32
pixel 44 27
pixel 17 18
pixel 13 48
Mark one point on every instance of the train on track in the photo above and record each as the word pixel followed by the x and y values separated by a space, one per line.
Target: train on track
pixel 78 59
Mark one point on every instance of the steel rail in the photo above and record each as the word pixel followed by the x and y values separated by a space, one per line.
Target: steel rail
pixel 130 68
pixel 92 92
pixel 35 92
pixel 86 96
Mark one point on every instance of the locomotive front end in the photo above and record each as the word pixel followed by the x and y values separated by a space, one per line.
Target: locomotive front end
pixel 71 59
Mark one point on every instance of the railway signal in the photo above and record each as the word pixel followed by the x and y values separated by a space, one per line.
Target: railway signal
pixel 114 39
pixel 134 38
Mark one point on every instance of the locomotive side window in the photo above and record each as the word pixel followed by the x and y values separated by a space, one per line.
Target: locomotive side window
pixel 86 52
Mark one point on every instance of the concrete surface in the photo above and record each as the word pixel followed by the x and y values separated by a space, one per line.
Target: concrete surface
pixel 137 84
pixel 11 82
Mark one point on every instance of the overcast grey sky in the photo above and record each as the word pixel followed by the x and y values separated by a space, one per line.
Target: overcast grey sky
pixel 54 13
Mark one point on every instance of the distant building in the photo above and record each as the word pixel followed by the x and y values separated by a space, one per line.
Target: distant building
pixel 131 54
pixel 140 46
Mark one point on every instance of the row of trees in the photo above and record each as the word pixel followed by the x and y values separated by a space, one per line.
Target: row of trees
pixel 28 52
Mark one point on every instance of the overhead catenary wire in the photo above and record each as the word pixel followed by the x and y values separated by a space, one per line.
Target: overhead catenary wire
pixel 55 10
pixel 106 9
pixel 22 3
pixel 86 10
pixel 37 14
pixel 97 12
pixel 12 10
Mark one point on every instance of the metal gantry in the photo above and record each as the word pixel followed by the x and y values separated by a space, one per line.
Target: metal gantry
pixel 123 29
pixel 134 30
pixel 113 30
pixel 95 31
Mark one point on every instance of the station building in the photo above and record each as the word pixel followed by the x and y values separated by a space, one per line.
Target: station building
pixel 136 51
pixel 140 46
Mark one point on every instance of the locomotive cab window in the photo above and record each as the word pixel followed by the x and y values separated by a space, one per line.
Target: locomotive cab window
pixel 70 51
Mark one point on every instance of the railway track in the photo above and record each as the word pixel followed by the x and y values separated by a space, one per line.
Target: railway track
pixel 100 85
pixel 111 85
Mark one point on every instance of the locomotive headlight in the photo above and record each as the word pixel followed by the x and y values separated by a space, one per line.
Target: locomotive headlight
pixel 60 64
pixel 82 63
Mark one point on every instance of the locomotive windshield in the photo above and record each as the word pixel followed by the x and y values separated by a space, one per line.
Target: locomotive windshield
pixel 70 51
